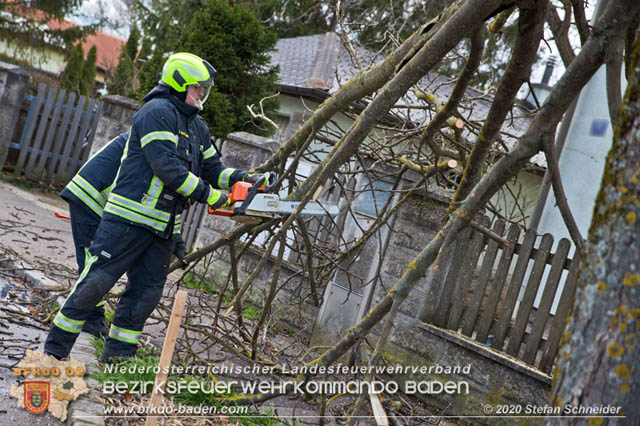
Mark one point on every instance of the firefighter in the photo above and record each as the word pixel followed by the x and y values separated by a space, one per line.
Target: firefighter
pixel 168 160
pixel 86 194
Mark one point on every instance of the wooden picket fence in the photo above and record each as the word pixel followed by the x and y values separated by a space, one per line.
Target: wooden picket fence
pixel 488 292
pixel 57 136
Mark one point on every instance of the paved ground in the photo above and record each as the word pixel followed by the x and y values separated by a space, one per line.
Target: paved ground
pixel 29 227
pixel 40 244
pixel 16 336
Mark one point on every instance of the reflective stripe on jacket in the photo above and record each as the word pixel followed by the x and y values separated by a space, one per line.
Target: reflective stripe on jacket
pixel 92 184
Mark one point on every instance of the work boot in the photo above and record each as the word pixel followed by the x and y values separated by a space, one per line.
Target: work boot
pixel 112 355
pixel 56 356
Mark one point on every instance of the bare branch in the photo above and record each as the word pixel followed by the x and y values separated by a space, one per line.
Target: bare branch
pixel 475 54
pixel 530 31
pixel 613 77
pixel 262 116
pixel 560 31
pixel 561 199
pixel 581 20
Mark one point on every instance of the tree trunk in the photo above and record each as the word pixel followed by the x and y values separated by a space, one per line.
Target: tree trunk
pixel 597 365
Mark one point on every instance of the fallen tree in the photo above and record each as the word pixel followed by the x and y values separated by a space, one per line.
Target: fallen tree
pixel 404 68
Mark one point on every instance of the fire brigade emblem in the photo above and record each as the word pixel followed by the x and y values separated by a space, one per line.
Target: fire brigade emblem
pixel 36 397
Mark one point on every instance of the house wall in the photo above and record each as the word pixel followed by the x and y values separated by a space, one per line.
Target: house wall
pixel 517 200
pixel 50 60
pixel 298 111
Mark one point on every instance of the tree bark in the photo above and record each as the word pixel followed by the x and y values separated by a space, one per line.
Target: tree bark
pixel 598 362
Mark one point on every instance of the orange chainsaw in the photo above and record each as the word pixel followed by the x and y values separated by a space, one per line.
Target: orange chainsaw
pixel 247 201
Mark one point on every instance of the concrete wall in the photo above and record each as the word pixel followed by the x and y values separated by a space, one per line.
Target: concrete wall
pixel 492 378
pixel 13 86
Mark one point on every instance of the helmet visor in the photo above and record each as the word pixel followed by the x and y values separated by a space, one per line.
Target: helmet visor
pixel 203 90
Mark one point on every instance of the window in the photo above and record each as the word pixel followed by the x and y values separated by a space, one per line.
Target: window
pixel 373 197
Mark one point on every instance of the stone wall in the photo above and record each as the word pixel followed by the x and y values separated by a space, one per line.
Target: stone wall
pixel 116 119
pixel 244 151
pixel 493 378
pixel 13 86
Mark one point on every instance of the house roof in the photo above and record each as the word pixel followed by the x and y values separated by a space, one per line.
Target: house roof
pixel 319 64
pixel 108 47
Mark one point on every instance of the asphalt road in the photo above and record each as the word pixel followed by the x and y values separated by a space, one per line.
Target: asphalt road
pixel 16 336
pixel 29 232
pixel 30 229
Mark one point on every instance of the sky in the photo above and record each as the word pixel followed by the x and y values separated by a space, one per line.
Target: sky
pixel 116 11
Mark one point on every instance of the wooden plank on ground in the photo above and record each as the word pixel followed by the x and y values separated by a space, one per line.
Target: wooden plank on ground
pixel 559 320
pixel 51 131
pixel 484 277
pixel 378 411
pixel 549 293
pixel 522 318
pixel 494 291
pixel 449 285
pixel 513 289
pixel 31 125
pixel 80 142
pixel 464 281
pixel 167 353
pixel 39 138
pixel 65 162
pixel 62 133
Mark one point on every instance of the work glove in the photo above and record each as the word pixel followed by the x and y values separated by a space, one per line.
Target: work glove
pixel 256 178
pixel 217 199
pixel 180 251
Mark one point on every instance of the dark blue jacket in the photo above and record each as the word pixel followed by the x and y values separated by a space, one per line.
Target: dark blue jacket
pixel 91 185
pixel 168 159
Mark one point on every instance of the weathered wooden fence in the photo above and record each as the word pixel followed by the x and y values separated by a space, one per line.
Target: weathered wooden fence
pixel 57 135
pixel 488 292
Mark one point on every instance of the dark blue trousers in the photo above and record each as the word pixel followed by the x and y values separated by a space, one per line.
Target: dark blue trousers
pixel 117 248
pixel 84 225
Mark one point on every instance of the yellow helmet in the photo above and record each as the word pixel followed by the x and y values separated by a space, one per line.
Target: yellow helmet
pixel 182 69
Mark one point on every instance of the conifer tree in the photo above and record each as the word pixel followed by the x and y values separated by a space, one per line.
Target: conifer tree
pixel 132 42
pixel 145 50
pixel 123 78
pixel 89 76
pixel 231 38
pixel 72 77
